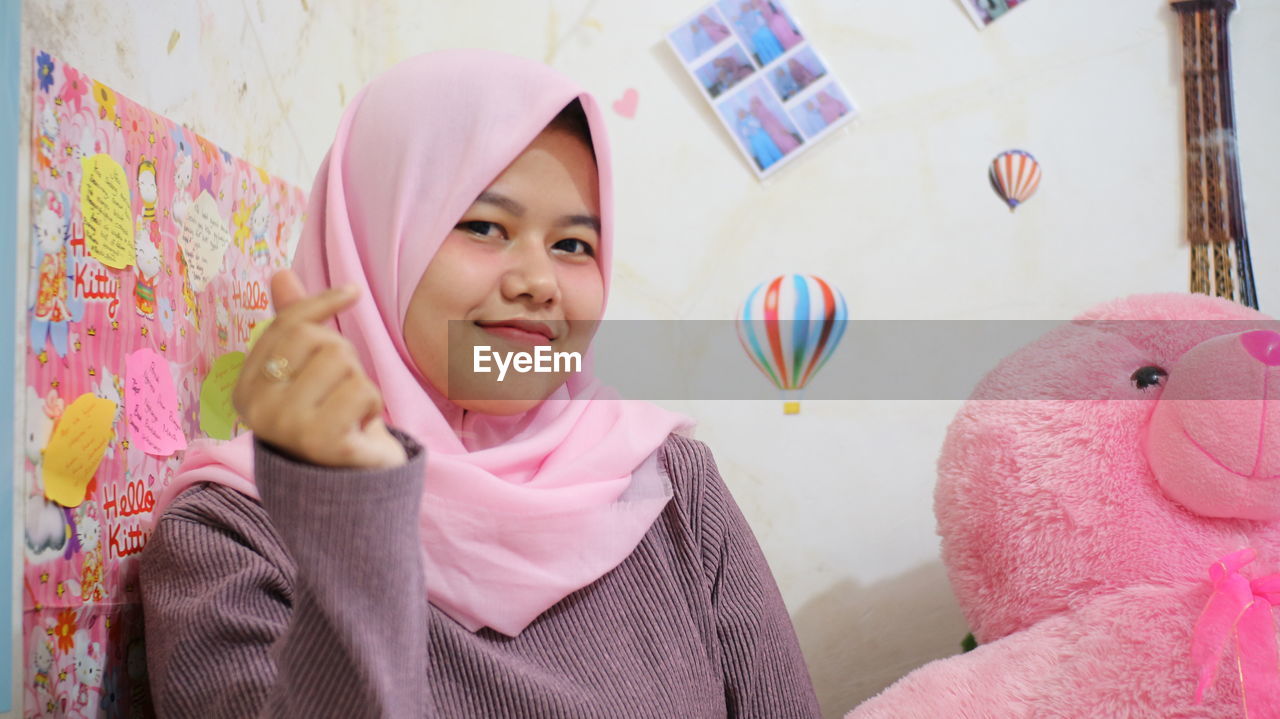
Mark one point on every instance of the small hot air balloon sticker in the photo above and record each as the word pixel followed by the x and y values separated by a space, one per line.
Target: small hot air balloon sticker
pixel 1014 175
pixel 789 327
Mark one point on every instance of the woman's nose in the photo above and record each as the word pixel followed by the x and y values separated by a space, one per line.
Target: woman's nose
pixel 531 275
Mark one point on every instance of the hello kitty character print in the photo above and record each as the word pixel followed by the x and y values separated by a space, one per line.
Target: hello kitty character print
pixel 81 605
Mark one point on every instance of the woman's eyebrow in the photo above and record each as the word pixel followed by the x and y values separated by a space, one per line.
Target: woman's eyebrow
pixel 502 201
pixel 517 209
pixel 590 221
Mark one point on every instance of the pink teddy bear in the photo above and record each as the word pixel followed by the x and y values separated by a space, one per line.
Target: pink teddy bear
pixel 1115 543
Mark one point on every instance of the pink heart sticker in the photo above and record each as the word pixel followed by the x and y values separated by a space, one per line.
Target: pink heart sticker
pixel 627 105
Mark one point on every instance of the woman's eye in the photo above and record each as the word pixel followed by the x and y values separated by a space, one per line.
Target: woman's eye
pixel 481 228
pixel 575 247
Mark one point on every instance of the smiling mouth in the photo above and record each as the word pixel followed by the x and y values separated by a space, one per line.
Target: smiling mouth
pixel 523 333
pixel 1220 463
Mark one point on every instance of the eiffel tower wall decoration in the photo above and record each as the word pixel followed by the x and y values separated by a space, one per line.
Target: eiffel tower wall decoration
pixel 1220 263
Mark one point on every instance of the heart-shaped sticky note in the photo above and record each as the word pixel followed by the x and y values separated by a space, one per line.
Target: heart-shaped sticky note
pixel 204 241
pixel 151 404
pixel 217 413
pixel 75 450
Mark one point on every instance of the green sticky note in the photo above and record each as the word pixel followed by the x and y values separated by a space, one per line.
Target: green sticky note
pixel 217 415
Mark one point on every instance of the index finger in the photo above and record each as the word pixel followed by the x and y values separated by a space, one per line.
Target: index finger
pixel 286 289
pixel 316 308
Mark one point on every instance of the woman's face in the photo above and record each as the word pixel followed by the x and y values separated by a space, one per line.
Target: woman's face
pixel 517 271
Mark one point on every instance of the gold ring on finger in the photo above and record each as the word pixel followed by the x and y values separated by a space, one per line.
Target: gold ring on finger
pixel 276 369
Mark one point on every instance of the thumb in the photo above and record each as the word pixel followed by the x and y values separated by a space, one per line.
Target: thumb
pixel 286 289
pixel 378 447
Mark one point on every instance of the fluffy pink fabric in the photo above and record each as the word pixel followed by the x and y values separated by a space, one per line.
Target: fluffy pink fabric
pixel 1081 569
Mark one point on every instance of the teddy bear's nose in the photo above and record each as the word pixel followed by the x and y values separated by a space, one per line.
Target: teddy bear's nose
pixel 1262 345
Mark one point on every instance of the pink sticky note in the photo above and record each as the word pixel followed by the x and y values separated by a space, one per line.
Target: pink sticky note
pixel 151 404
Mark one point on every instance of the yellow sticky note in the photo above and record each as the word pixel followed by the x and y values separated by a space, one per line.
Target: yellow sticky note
pixel 217 414
pixel 104 203
pixel 257 331
pixel 75 450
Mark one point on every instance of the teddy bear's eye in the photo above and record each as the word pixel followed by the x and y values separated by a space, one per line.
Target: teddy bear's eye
pixel 1148 376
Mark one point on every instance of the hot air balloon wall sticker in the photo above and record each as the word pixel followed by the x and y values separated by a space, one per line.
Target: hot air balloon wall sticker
pixel 789 326
pixel 1014 175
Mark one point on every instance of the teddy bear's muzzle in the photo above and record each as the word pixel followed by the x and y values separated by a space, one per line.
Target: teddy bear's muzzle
pixel 1213 441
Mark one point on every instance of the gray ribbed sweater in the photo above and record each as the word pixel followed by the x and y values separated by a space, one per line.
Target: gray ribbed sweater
pixel 314 607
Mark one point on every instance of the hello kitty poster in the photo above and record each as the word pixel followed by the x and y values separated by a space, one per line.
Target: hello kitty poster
pixel 151 249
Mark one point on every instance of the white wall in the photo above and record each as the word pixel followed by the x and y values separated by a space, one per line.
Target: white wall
pixel 895 210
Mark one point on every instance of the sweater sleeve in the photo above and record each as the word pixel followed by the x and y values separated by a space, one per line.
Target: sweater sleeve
pixel 765 676
pixel 228 635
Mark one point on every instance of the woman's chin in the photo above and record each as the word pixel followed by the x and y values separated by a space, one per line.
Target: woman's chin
pixel 498 407
pixel 515 394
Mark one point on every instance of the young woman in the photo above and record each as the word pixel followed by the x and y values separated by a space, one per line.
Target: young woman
pixel 714 29
pixel 758 142
pixel 800 73
pixel 401 537
pixel 785 84
pixel 779 24
pixel 781 136
pixel 764 43
pixel 830 108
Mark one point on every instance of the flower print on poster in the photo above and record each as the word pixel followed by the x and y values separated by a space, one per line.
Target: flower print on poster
pixel 73 89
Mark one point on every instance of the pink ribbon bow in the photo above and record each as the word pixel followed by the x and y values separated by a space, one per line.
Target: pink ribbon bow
pixel 1242 609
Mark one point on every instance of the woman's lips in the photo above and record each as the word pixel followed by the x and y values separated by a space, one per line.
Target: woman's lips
pixel 515 334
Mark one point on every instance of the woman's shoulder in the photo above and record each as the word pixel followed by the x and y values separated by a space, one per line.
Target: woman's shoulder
pixel 684 457
pixel 696 487
pixel 209 502
pixel 211 519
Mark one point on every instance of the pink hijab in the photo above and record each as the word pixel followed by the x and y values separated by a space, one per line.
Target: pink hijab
pixel 779 134
pixel 517 512
pixel 715 30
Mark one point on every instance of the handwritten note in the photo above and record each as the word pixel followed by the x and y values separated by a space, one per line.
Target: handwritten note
pixel 104 203
pixel 217 414
pixel 79 440
pixel 204 240
pixel 151 404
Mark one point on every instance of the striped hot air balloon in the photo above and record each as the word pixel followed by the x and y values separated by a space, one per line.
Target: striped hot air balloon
pixel 1014 176
pixel 789 327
